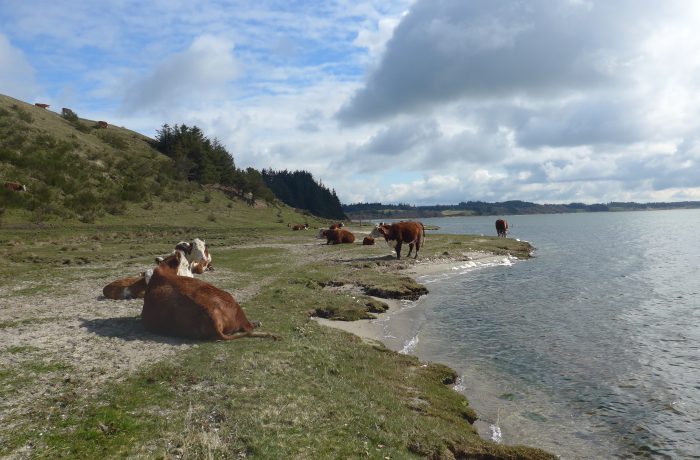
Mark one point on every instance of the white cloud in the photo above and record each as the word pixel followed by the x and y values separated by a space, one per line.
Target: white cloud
pixel 194 76
pixel 17 77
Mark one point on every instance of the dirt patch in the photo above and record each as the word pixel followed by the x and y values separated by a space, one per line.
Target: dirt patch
pixel 72 343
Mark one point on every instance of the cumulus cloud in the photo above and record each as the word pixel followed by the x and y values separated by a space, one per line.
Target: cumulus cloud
pixel 195 75
pixel 17 77
pixel 449 49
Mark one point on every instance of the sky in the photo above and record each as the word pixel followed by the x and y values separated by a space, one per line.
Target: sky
pixel 394 101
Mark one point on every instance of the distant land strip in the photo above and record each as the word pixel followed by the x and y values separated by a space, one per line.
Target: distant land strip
pixel 516 207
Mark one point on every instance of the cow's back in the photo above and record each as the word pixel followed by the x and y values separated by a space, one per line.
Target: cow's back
pixel 407 232
pixel 190 308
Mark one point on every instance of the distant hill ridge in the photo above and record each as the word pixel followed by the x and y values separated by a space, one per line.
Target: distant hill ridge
pixel 480 208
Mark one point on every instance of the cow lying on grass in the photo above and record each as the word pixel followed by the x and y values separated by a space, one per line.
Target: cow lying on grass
pixel 197 254
pixel 337 236
pixel 191 308
pixel 398 233
pixel 128 288
pixel 197 260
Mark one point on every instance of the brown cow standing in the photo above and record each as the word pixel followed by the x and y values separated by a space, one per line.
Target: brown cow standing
pixel 191 308
pixel 42 106
pixel 337 236
pixel 398 233
pixel 502 227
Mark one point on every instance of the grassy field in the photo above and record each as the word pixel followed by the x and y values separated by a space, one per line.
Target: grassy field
pixel 80 378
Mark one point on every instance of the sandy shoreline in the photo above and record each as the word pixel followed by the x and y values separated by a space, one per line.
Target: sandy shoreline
pixel 394 336
pixel 376 329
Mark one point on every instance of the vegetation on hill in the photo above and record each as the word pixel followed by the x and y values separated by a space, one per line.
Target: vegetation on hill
pixel 197 158
pixel 480 208
pixel 74 170
pixel 299 190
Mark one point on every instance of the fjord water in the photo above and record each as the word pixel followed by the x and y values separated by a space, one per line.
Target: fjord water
pixel 591 349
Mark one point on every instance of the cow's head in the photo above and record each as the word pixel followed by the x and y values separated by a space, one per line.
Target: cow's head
pixel 323 233
pixel 380 231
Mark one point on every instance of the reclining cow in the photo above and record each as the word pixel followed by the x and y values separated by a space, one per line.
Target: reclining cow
pixel 336 226
pixel 337 236
pixel 398 233
pixel 191 308
pixel 128 288
pixel 197 260
pixel 197 254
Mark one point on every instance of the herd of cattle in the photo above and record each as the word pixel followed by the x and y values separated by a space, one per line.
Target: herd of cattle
pixel 177 304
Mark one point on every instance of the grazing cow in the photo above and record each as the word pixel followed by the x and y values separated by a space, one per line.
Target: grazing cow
pixel 336 226
pixel 42 106
pixel 368 241
pixel 15 187
pixel 502 227
pixel 298 227
pixel 128 288
pixel 337 236
pixel 398 233
pixel 68 113
pixel 102 124
pixel 192 308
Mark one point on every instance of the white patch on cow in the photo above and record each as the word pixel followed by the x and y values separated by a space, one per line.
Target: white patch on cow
pixel 147 275
pixel 197 251
pixel 184 268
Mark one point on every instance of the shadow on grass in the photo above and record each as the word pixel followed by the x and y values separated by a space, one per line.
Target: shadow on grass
pixel 129 328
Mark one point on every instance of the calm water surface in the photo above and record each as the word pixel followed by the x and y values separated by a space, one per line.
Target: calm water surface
pixel 591 349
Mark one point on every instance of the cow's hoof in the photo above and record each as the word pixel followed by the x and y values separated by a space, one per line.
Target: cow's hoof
pixel 256 324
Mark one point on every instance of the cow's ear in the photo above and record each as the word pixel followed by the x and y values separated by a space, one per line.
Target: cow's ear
pixel 159 260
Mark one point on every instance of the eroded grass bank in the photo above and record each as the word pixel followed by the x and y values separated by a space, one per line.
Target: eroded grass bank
pixel 80 378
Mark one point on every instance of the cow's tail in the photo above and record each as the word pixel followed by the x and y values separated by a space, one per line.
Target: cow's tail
pixel 240 335
pixel 423 227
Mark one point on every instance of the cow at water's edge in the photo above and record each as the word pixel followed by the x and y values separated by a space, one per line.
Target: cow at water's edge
pixel 502 227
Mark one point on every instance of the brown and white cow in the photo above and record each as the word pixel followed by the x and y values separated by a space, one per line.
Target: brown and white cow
pixel 398 233
pixel 368 241
pixel 15 187
pixel 42 106
pixel 198 257
pixel 192 308
pixel 128 288
pixel 337 236
pixel 297 227
pixel 502 227
pixel 336 226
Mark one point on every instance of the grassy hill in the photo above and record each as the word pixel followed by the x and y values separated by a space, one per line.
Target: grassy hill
pixel 81 378
pixel 75 170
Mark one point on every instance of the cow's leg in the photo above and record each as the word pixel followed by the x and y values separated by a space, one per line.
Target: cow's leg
pixel 397 248
pixel 410 249
pixel 415 256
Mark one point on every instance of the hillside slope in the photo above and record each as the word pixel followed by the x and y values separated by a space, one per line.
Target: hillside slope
pixel 75 169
